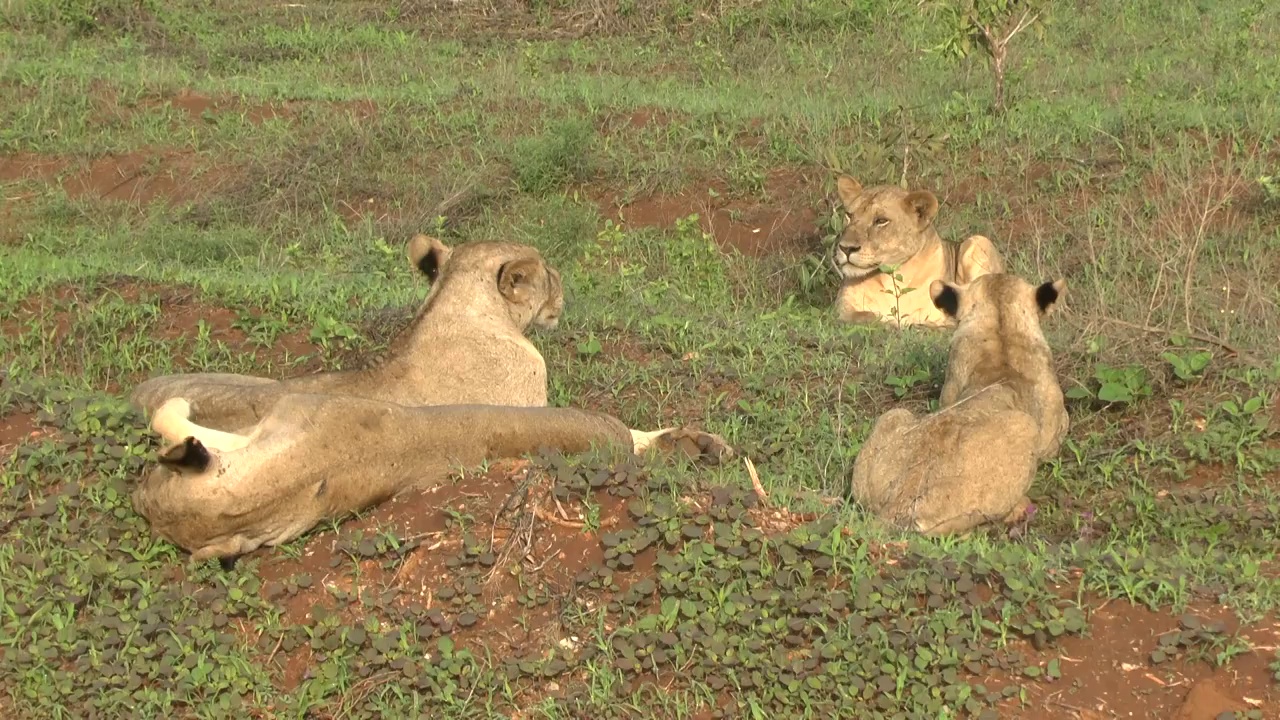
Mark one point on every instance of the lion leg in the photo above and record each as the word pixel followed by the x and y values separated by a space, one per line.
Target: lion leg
pixel 848 310
pixel 641 440
pixel 695 444
pixel 172 422
pixel 978 257
pixel 227 552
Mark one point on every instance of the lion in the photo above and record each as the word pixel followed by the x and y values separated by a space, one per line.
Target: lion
pixel 463 362
pixel 465 345
pixel 1001 414
pixel 887 225
pixel 317 457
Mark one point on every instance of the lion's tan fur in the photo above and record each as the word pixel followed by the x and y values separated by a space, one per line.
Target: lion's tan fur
pixel 887 225
pixel 1001 414
pixel 460 386
pixel 466 344
pixel 318 457
pixel 315 457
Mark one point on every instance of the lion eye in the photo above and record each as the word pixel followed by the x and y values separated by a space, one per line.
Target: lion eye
pixel 881 221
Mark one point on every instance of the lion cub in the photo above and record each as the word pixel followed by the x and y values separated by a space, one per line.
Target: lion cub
pixel 886 225
pixel 1001 414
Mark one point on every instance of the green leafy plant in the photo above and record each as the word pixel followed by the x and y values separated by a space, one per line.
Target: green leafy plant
pixel 897 292
pixel 902 384
pixel 327 331
pixel 990 25
pixel 1188 367
pixel 590 346
pixel 1116 385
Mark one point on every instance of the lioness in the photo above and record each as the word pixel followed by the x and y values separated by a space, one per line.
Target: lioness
pixel 316 457
pixel 459 373
pixel 1001 414
pixel 466 344
pixel 886 225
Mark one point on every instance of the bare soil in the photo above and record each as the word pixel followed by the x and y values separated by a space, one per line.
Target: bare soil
pixel 1108 673
pixel 157 174
pixel 785 223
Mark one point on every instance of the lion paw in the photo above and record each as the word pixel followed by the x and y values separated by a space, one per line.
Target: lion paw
pixel 696 445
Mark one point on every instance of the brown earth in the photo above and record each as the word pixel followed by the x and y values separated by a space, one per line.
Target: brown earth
pixel 784 224
pixel 153 174
pixel 549 540
pixel 16 428
pixel 1108 672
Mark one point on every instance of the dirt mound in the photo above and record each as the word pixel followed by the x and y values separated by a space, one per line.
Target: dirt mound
pixel 785 223
pixel 16 428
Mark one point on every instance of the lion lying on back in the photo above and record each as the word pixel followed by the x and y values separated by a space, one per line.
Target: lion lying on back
pixel 1001 414
pixel 319 457
pixel 886 225
pixel 461 385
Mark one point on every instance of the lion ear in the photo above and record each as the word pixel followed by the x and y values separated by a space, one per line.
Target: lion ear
pixel 923 205
pixel 428 255
pixel 849 190
pixel 515 279
pixel 1049 293
pixel 945 296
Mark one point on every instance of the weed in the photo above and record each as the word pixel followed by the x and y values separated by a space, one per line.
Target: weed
pixel 560 155
pixel 1122 385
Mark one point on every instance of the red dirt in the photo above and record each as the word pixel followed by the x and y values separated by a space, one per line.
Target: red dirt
pixel 195 105
pixel 151 174
pixel 784 224
pixel 1108 674
pixel 29 166
pixel 137 177
pixel 15 428
pixel 560 549
pixel 638 119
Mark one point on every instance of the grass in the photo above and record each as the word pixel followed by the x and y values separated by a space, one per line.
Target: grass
pixel 227 187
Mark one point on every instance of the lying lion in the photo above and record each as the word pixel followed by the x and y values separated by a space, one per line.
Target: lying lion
pixel 886 225
pixel 466 344
pixel 464 349
pixel 318 457
pixel 1001 414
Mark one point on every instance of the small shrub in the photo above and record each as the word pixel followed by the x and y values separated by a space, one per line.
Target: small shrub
pixel 991 25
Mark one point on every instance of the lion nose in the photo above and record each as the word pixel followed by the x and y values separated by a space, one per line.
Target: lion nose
pixel 850 249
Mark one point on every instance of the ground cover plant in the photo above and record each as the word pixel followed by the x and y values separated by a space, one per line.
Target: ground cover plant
pixel 227 186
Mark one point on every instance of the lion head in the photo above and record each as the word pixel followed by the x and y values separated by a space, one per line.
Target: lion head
pixel 1017 301
pixel 884 225
pixel 532 289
